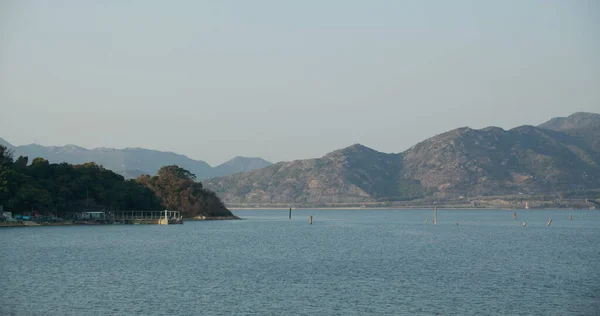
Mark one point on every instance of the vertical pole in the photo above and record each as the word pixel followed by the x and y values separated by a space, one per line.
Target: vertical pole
pixel 435 215
pixel 515 215
pixel 290 213
pixel 310 219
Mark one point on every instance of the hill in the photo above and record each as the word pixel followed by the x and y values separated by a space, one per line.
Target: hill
pixel 53 188
pixel 133 162
pixel 239 164
pixel 581 124
pixel 461 162
pixel 493 161
pixel 356 173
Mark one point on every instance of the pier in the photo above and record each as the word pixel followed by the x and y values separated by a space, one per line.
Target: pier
pixel 122 217
pixel 144 217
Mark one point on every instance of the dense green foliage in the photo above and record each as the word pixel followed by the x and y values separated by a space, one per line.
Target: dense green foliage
pixel 178 191
pixel 63 187
pixel 50 188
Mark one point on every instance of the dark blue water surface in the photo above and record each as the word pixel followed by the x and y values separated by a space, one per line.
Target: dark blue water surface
pixel 353 262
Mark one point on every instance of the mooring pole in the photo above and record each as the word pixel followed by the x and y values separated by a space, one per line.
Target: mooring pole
pixel 310 220
pixel 290 213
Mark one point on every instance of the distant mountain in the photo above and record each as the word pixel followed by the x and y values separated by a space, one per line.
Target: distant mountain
pixel 356 173
pixel 133 162
pixel 5 143
pixel 493 161
pixel 461 162
pixel 240 164
pixel 583 125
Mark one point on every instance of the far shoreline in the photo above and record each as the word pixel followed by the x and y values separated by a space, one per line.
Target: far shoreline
pixel 397 208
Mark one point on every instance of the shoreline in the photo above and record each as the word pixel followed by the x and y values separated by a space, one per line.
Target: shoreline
pixel 102 223
pixel 212 218
pixel 403 208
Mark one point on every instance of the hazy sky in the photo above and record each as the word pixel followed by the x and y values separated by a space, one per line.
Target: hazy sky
pixel 288 79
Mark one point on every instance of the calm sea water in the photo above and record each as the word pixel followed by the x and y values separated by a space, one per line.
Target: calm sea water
pixel 346 263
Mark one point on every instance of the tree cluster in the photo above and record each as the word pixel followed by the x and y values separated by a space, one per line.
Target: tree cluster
pixel 51 188
pixel 178 190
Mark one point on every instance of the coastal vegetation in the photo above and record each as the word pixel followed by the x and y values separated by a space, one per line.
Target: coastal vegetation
pixel 178 190
pixel 61 187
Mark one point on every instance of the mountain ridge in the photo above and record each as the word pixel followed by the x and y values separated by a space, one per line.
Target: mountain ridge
pixel 460 162
pixel 584 125
pixel 131 162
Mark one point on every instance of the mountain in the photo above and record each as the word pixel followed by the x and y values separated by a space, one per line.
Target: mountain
pixel 355 173
pixel 5 143
pixel 133 162
pixel 461 162
pixel 581 124
pixel 240 164
pixel 493 161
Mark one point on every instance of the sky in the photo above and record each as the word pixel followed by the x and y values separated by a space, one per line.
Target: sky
pixel 286 80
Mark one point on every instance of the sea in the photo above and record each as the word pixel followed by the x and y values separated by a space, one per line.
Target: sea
pixel 347 262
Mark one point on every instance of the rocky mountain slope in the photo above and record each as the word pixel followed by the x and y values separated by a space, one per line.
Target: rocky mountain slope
pixel 133 162
pixel 583 125
pixel 461 162
pixel 356 173
pixel 240 164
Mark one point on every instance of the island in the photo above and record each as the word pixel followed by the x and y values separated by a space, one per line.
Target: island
pixel 41 193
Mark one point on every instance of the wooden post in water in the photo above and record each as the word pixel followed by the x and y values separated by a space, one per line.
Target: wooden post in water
pixel 515 215
pixel 290 213
pixel 310 219
pixel 549 222
pixel 435 215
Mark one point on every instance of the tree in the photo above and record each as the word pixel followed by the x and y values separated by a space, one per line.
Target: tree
pixel 6 161
pixel 21 163
pixel 46 187
pixel 176 172
pixel 6 156
pixel 178 191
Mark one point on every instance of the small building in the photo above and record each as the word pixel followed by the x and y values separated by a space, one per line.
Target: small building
pixel 91 215
pixel 6 215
